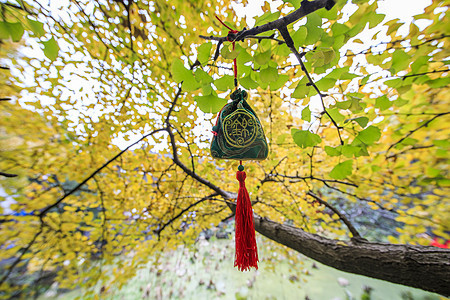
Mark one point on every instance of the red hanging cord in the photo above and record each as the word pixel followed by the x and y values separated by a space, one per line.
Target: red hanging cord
pixel 231 31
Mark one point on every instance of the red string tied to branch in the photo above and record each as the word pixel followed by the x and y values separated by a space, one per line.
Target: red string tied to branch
pixel 231 38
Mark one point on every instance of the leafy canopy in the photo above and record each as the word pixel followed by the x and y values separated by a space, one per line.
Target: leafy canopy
pixel 90 78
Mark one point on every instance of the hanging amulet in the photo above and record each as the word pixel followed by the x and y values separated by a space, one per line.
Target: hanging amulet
pixel 238 133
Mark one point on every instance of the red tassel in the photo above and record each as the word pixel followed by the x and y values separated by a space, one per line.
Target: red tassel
pixel 246 250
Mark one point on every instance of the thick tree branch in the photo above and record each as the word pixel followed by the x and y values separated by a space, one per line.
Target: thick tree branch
pixel 422 267
pixel 306 8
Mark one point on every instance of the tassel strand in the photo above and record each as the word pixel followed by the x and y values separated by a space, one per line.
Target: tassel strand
pixel 246 249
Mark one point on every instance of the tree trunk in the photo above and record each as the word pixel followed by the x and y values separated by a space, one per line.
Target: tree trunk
pixel 423 267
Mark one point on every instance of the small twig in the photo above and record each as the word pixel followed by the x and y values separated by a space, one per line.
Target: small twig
pixel 414 130
pixel 409 149
pixel 344 219
pixel 223 39
pixel 47 209
pixel 8 174
pixel 306 8
pixel 159 230
pixel 290 43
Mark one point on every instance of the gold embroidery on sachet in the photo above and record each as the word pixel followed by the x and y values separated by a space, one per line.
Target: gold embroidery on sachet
pixel 240 128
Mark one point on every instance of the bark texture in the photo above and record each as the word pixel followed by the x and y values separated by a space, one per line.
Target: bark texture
pixel 423 267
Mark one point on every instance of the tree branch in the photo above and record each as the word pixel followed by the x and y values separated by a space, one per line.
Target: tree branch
pixel 306 8
pixel 344 219
pixel 422 267
pixel 48 208
pixel 7 174
pixel 159 230
pixel 414 130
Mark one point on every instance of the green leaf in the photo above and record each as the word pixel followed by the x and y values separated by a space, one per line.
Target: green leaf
pixel 15 30
pixel 267 17
pixel 336 115
pixel 325 83
pixel 279 83
pixel 243 56
pixel 4 32
pixel 348 76
pixel 418 63
pixel 342 170
pixel 329 55
pixel 262 58
pixel 327 41
pixel 268 74
pixel 36 27
pixel 207 89
pixel 282 50
pixel 354 30
pixel 313 20
pixel 190 84
pixel 400 102
pixel 438 83
pixel 374 19
pixel 202 77
pixel 362 121
pixel 179 72
pixel 349 151
pixel 210 103
pixel 383 103
pixel 51 49
pixel 204 52
pixel 400 60
pixel 295 3
pixel 305 138
pixel 338 29
pixel 316 58
pixel 344 104
pixel 393 25
pixel 333 151
pixel 393 82
pixel 314 35
pixel 369 135
pixel 224 83
pixel 321 57
pixel 229 54
pixel 299 36
pixel 409 141
pixel 265 45
pixel 306 114
pixel 248 83
pixel 302 90
pixel 364 80
pixel 313 25
pixel 442 143
pixel 355 106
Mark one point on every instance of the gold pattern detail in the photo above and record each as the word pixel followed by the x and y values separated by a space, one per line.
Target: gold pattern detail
pixel 240 128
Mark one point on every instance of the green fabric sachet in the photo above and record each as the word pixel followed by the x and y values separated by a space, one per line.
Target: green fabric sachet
pixel 238 134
